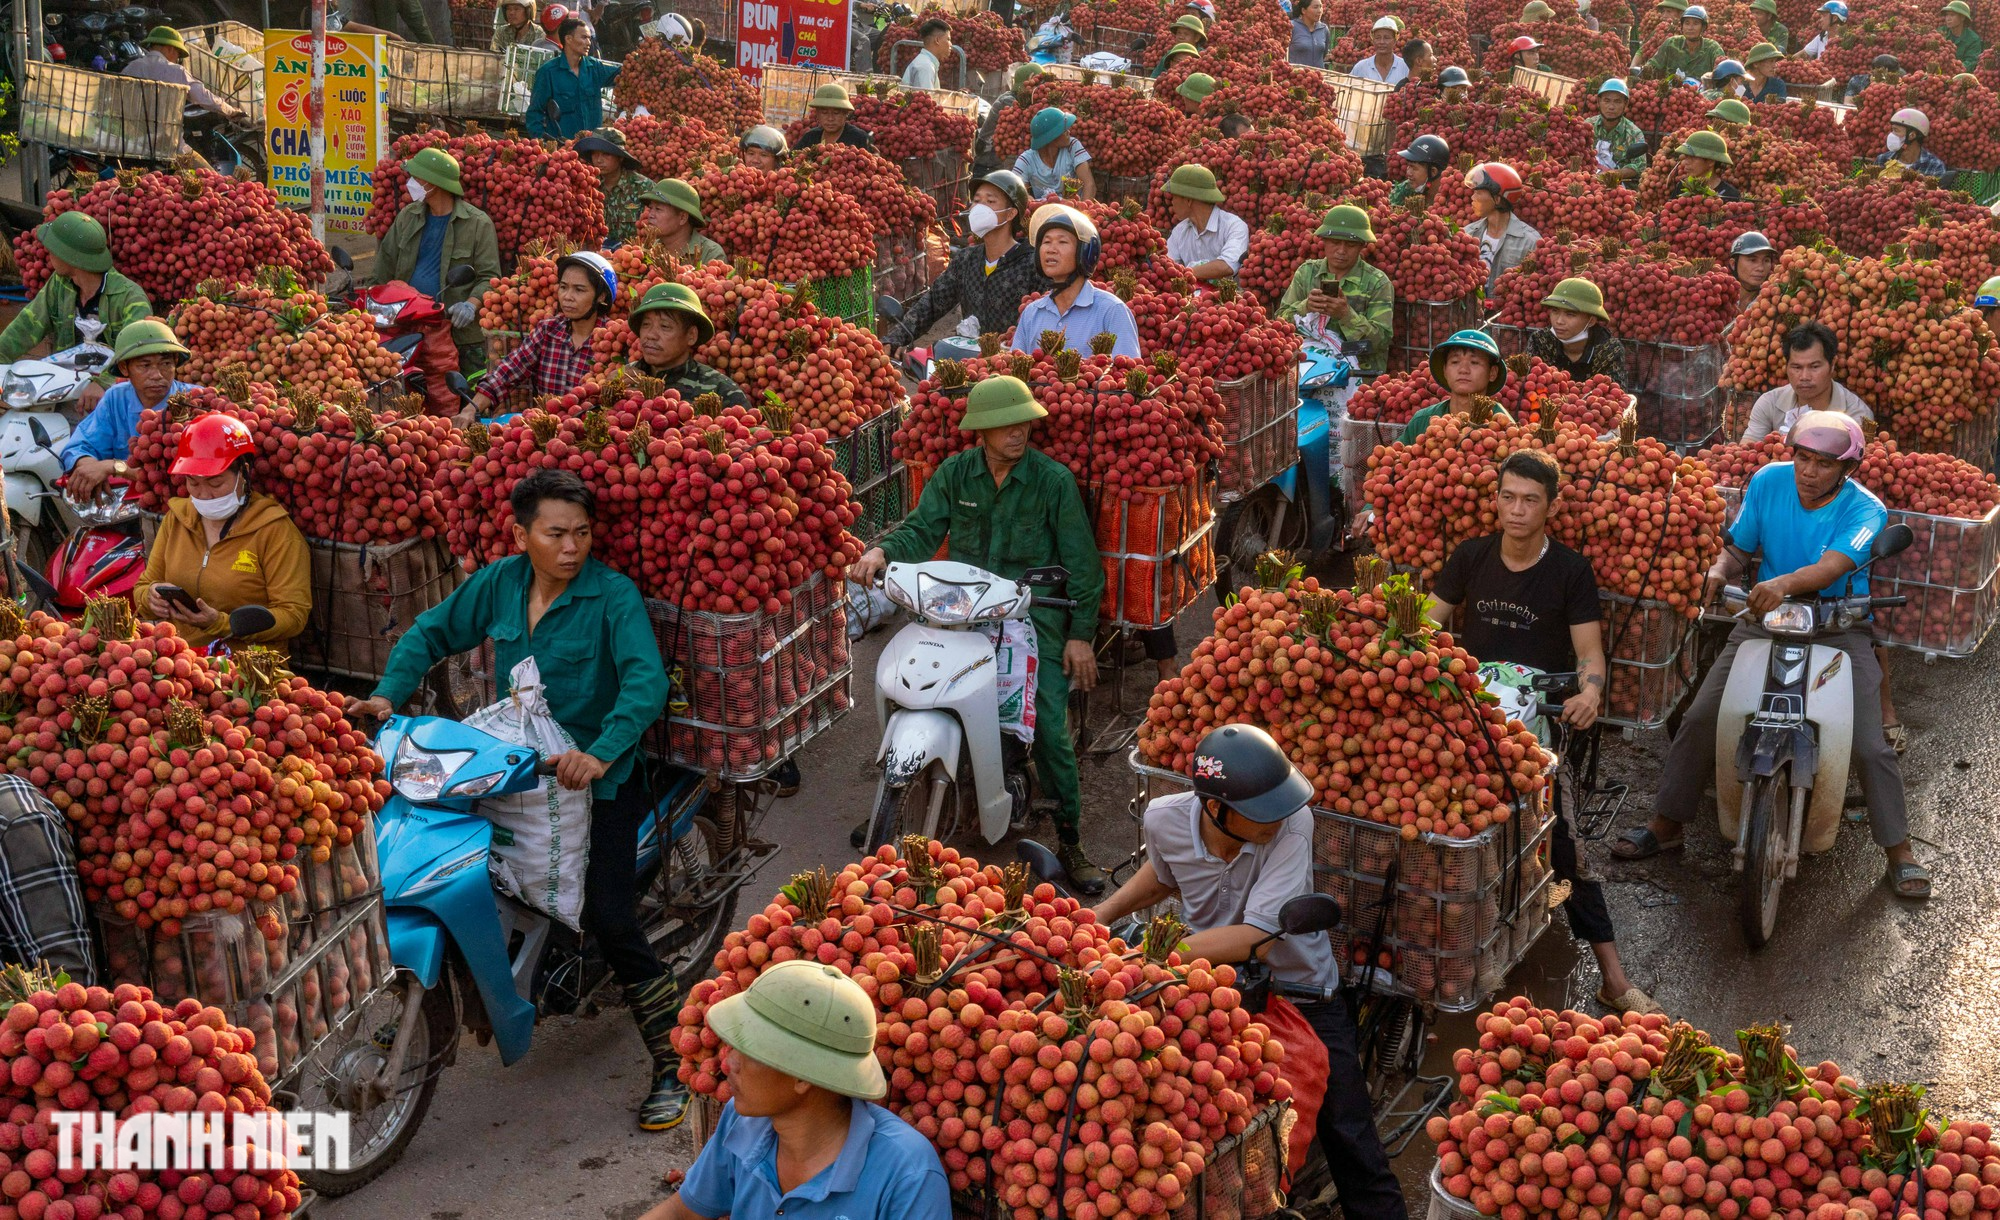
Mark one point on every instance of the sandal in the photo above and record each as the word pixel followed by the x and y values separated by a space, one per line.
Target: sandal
pixel 1898 737
pixel 1640 843
pixel 1908 879
pixel 1634 1000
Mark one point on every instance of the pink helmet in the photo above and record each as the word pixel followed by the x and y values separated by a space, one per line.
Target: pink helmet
pixel 1830 434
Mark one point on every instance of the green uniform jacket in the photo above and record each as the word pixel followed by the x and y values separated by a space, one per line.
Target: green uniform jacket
pixel 1628 145
pixel 1691 60
pixel 1033 520
pixel 702 249
pixel 692 380
pixel 1779 37
pixel 594 647
pixel 52 316
pixel 621 207
pixel 1968 45
pixel 1422 420
pixel 468 238
pixel 1371 299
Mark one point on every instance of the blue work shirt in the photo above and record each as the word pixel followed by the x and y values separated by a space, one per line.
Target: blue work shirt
pixel 578 95
pixel 424 277
pixel 106 433
pixel 1773 521
pixel 885 1171
pixel 1094 312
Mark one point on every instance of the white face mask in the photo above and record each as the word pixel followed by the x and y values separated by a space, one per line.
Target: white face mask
pixel 982 220
pixel 220 508
pixel 1895 142
pixel 1742 91
pixel 416 189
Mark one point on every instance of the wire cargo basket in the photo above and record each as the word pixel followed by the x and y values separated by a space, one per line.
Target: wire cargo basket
pixel 519 63
pixel 1681 399
pixel 1117 188
pixel 1455 916
pixel 1125 43
pixel 867 456
pixel 942 176
pixel 1422 325
pixel 365 598
pixel 120 117
pixel 1951 574
pixel 903 263
pixel 474 25
pixel 227 57
pixel 446 82
pixel 1158 551
pixel 787 89
pixel 1551 85
pixel 1143 85
pixel 750 689
pixel 1260 431
pixel 1362 105
pixel 1649 648
pixel 1358 439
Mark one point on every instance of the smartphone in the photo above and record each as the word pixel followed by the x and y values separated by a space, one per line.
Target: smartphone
pixel 178 596
pixel 1329 285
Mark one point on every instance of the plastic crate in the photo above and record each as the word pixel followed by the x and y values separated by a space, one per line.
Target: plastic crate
pixel 120 117
pixel 1422 325
pixel 1143 85
pixel 1158 551
pixel 1551 85
pixel 867 456
pixel 1647 646
pixel 234 76
pixel 446 82
pixel 1680 392
pixel 751 689
pixel 365 597
pixel 1460 914
pixel 850 297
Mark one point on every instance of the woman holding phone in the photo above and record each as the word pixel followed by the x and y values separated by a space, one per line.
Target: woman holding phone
pixel 1343 294
pixel 224 544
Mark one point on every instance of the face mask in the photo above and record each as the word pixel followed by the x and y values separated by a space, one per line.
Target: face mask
pixel 982 220
pixel 1742 91
pixel 220 508
pixel 1895 142
pixel 416 189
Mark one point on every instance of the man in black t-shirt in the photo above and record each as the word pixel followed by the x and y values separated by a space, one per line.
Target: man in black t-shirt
pixel 1520 596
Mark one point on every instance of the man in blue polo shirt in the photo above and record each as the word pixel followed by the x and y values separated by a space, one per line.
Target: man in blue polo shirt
pixel 148 356
pixel 805 1141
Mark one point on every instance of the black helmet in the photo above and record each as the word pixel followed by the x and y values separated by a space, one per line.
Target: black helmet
pixel 1012 185
pixel 1750 241
pixel 1239 765
pixel 1886 63
pixel 1453 76
pixel 1428 150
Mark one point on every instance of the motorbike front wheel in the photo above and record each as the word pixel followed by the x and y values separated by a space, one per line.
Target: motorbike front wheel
pixel 915 808
pixel 1768 811
pixel 336 1079
pixel 686 935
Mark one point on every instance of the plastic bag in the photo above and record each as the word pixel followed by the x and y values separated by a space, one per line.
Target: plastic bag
pixel 541 837
pixel 1014 654
pixel 868 607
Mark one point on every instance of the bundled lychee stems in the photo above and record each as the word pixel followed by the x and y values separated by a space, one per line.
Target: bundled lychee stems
pixel 1163 935
pixel 1691 1067
pixel 1896 1118
pixel 812 891
pixel 929 956
pixel 1277 568
pixel 1769 1071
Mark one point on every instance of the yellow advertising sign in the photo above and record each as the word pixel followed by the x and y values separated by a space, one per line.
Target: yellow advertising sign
pixel 356 123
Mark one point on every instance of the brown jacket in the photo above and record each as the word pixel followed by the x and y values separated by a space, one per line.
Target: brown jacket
pixel 261 560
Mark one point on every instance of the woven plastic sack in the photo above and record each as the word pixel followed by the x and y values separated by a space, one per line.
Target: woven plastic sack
pixel 541 837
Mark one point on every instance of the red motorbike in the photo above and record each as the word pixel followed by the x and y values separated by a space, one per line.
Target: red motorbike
pixel 104 557
pixel 417 328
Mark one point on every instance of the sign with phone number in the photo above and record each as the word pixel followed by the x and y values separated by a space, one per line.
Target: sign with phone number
pixel 811 33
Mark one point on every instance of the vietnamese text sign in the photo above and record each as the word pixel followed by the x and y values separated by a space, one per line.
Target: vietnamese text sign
pixel 356 122
pixel 811 33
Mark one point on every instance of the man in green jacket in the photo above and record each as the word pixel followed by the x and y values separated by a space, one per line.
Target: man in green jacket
pixel 81 284
pixel 619 177
pixel 1959 32
pixel 586 627
pixel 668 325
pixel 1361 304
pixel 1619 145
pixel 435 232
pixel 1006 507
pixel 1690 53
pixel 1769 28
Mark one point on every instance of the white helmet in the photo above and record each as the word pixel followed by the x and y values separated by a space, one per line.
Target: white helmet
pixel 674 28
pixel 1913 119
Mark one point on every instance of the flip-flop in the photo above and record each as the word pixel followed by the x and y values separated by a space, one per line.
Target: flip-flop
pixel 1897 736
pixel 1908 879
pixel 1640 843
pixel 1634 1000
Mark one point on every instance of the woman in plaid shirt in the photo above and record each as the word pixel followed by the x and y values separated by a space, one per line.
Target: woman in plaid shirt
pixel 557 354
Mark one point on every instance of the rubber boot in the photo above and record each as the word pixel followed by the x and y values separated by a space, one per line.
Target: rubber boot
pixel 1084 877
pixel 656 1005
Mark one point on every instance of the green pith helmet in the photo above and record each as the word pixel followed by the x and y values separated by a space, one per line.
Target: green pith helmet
pixel 1196 87
pixel 1729 110
pixel 999 402
pixel 1192 24
pixel 1959 7
pixel 1472 341
pixel 77 239
pixel 1181 48
pixel 676 194
pixel 435 167
pixel 148 337
pixel 1763 52
pixel 1989 294
pixel 809 1021
pixel 830 97
pixel 1048 126
pixel 1537 10
pixel 168 36
pixel 1578 296
pixel 680 299
pixel 1194 182
pixel 1345 222
pixel 1023 73
pixel 1765 6
pixel 1707 145
pixel 1678 6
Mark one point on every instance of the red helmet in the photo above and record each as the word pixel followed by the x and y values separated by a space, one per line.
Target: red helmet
pixel 552 18
pixel 1497 177
pixel 95 563
pixel 1523 43
pixel 211 445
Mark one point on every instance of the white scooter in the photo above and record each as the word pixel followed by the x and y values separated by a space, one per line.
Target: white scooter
pixel 944 757
pixel 1783 739
pixel 40 397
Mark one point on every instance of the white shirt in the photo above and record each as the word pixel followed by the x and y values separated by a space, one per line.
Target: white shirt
pixel 1777 410
pixel 923 71
pixel 1226 237
pixel 1398 71
pixel 1816 47
pixel 155 66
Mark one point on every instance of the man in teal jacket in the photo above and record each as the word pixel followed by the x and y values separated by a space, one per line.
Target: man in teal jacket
pixel 568 95
pixel 586 627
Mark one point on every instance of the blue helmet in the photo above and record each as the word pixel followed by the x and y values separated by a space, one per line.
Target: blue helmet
pixel 603 276
pixel 1695 11
pixel 1989 294
pixel 1835 7
pixel 1614 85
pixel 1726 69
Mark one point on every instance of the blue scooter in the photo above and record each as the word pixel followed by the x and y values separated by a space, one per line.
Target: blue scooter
pixel 1302 509
pixel 467 954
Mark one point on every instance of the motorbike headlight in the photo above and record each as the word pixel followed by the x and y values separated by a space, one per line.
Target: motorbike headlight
pixel 1793 618
pixel 898 595
pixel 478 785
pixel 943 602
pixel 17 391
pixel 420 774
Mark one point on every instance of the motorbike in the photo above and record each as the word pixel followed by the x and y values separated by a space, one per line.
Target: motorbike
pixel 417 328
pixel 1053 42
pixel 937 693
pixel 40 399
pixel 103 557
pixel 622 27
pixel 1783 738
pixel 100 38
pixel 468 955
pixel 1302 510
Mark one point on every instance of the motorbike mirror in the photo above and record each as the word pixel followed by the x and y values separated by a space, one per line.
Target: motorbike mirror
pixel 246 621
pixel 1892 541
pixel 1309 913
pixel 455 382
pixel 1040 860
pixel 1045 578
pixel 460 276
pixel 889 307
pixel 342 259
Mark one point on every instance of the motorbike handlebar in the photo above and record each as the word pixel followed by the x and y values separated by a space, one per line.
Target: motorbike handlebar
pixel 1060 603
pixel 1300 991
pixel 1878 602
